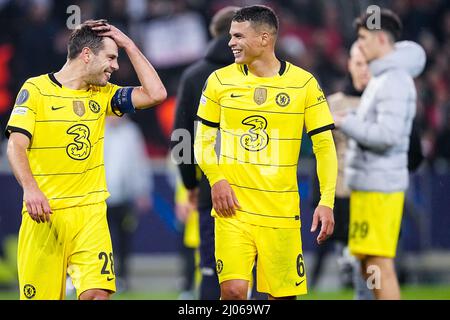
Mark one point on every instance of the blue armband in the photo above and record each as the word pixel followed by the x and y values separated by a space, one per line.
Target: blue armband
pixel 121 101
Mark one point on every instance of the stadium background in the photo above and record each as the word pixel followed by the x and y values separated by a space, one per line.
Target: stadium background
pixel 315 35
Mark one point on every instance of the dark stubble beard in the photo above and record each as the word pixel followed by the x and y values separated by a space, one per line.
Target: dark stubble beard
pixel 95 81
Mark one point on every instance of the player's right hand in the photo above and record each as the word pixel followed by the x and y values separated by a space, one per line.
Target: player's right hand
pixel 224 199
pixel 37 204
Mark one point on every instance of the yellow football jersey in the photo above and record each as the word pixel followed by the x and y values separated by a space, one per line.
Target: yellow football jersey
pixel 66 128
pixel 261 122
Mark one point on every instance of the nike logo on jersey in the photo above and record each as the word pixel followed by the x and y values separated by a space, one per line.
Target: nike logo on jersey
pixel 299 283
pixel 110 278
pixel 57 108
pixel 236 95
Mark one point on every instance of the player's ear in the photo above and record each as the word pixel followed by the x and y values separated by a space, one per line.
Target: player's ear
pixel 265 38
pixel 86 54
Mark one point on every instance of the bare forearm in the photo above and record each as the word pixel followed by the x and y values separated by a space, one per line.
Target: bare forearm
pixel 35 201
pixel 152 91
pixel 18 160
pixel 148 77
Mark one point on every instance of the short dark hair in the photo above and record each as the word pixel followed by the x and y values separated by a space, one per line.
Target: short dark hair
pixel 389 22
pixel 258 15
pixel 221 21
pixel 83 36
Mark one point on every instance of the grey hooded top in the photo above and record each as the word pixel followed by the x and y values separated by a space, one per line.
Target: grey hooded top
pixel 380 127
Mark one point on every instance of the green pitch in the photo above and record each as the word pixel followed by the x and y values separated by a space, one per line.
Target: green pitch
pixel 423 292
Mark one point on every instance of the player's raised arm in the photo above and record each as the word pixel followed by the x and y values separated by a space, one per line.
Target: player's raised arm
pixel 152 91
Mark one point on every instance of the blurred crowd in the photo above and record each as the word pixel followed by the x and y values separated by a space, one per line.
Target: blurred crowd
pixel 314 34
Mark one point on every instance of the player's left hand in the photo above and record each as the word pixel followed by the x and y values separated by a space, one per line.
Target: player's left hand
pixel 325 216
pixel 107 30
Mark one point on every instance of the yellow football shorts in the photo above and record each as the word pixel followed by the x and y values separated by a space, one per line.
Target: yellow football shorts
pixel 375 220
pixel 280 264
pixel 77 242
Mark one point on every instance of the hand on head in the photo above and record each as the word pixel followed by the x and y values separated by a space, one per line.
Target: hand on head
pixel 99 22
pixel 105 29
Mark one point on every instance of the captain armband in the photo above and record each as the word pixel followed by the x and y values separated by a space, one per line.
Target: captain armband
pixel 121 101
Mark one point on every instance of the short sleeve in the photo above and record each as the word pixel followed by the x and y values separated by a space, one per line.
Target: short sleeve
pixel 23 115
pixel 317 113
pixel 209 107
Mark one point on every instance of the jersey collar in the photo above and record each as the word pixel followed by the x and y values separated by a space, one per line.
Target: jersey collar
pixel 280 72
pixel 53 79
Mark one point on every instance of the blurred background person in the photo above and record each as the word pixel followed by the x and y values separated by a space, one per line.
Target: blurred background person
pixel 347 101
pixel 187 216
pixel 343 101
pixel 376 167
pixel 128 176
